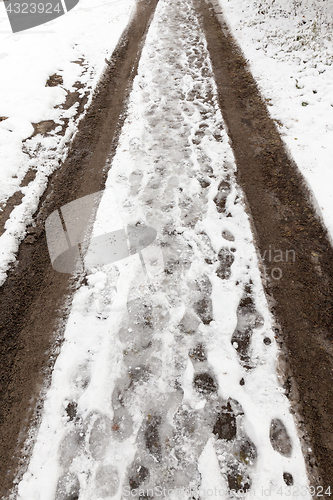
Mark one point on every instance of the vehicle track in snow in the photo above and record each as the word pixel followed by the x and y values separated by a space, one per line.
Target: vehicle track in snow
pixel 33 294
pixel 199 186
pixel 284 218
pixel 174 387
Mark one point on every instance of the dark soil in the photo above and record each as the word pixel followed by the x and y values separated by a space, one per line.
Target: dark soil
pixel 283 219
pixel 34 293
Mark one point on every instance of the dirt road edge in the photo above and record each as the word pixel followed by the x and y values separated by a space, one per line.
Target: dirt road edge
pixel 33 297
pixel 284 219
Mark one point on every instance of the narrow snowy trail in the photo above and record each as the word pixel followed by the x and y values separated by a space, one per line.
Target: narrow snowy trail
pixel 166 383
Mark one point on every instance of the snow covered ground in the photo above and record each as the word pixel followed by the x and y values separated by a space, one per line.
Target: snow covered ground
pixel 166 384
pixel 74 47
pixel 289 46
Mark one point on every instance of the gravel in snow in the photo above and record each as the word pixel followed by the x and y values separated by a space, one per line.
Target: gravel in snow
pixel 166 384
pixel 289 48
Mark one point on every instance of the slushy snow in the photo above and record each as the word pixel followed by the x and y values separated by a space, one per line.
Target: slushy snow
pixel 166 383
pixel 74 47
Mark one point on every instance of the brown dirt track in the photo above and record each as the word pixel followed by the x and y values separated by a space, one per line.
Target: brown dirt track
pixel 34 293
pixel 282 217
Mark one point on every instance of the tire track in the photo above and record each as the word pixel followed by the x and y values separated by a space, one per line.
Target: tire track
pixel 284 219
pixel 171 374
pixel 34 293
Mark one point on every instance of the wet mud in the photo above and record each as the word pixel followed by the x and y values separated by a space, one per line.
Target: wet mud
pixel 283 218
pixel 289 236
pixel 34 293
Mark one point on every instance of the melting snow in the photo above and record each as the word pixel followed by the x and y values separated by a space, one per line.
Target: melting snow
pixel 69 48
pixel 166 384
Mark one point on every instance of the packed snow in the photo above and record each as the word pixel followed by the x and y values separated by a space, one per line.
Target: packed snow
pixel 166 384
pixel 289 46
pixel 73 47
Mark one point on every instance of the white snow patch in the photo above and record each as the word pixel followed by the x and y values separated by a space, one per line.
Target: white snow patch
pixel 73 46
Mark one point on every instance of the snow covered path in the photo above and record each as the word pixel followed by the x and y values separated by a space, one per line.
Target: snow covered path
pixel 166 384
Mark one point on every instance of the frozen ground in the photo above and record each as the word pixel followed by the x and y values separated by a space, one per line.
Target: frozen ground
pixel 74 48
pixel 166 384
pixel 289 46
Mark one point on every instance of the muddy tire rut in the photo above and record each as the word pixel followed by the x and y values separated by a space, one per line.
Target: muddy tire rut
pixel 283 218
pixel 33 292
